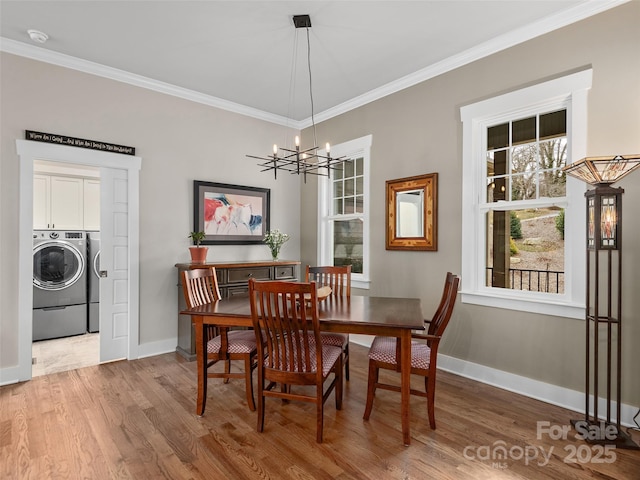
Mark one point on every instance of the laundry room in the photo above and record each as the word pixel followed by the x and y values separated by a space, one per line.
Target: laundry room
pixel 66 267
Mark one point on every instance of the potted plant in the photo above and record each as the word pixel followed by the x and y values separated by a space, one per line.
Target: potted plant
pixel 198 253
pixel 274 239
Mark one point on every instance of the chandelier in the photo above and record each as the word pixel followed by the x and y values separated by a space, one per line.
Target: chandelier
pixel 294 160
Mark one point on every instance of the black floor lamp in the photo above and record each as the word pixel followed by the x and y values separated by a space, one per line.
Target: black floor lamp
pixel 604 294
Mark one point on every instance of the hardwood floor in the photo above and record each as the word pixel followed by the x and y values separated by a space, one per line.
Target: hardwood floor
pixel 135 420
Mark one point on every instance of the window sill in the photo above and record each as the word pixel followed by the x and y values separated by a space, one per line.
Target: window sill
pixel 541 306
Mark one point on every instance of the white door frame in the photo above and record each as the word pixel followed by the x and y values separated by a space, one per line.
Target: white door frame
pixel 28 152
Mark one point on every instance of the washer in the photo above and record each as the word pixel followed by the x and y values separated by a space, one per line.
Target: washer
pixel 59 284
pixel 93 256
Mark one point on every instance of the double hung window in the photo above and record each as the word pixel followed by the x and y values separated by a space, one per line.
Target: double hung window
pixel 343 216
pixel 523 239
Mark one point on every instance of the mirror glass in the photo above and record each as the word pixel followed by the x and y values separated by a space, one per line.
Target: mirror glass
pixel 409 208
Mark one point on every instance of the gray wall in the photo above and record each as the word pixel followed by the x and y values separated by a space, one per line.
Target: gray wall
pixel 418 130
pixel 179 141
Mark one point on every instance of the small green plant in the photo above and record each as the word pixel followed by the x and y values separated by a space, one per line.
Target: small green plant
pixel 274 239
pixel 197 237
pixel 560 223
pixel 513 248
pixel 516 226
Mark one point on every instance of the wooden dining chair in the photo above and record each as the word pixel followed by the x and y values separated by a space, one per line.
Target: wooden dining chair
pixel 285 319
pixel 424 353
pixel 339 279
pixel 200 286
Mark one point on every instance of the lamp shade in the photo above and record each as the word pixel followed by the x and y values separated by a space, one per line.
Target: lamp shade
pixel 603 170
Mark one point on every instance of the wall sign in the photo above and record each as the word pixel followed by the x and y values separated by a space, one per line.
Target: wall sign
pixel 78 142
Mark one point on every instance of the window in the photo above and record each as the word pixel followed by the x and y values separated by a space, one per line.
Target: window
pixel 514 149
pixel 343 215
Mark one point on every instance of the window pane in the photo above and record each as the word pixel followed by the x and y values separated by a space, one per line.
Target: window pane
pixel 360 204
pixel 553 157
pixel 525 250
pixel 359 185
pixel 524 159
pixel 360 166
pixel 523 187
pixel 337 173
pixel 337 189
pixel 553 124
pixel 491 164
pixel 337 207
pixel 349 186
pixel 347 244
pixel 524 131
pixel 498 136
pixel 349 205
pixel 348 168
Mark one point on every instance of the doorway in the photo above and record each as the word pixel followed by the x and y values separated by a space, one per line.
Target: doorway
pixel 65 327
pixel 115 169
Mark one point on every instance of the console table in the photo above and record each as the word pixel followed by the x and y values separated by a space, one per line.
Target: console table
pixel 233 281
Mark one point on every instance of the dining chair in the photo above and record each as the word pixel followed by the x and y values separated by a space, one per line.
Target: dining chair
pixel 424 353
pixel 339 279
pixel 287 330
pixel 200 286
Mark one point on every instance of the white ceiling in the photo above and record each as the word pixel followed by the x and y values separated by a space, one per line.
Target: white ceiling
pixel 238 55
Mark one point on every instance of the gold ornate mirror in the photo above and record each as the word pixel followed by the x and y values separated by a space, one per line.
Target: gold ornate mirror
pixel 412 213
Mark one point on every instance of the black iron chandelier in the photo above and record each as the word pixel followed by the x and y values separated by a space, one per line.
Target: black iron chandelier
pixel 309 160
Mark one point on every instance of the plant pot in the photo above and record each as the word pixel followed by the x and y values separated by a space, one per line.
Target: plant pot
pixel 198 254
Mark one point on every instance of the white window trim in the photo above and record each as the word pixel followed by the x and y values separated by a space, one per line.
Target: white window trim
pixel 359 147
pixel 568 92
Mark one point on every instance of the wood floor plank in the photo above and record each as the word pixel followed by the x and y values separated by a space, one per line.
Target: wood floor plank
pixel 136 420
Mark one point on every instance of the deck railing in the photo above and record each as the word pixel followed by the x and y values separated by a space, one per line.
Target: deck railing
pixel 548 281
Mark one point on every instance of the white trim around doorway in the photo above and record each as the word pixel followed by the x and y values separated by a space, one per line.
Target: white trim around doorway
pixel 29 152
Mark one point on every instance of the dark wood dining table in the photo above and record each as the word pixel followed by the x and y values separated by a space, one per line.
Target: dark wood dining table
pixel 392 317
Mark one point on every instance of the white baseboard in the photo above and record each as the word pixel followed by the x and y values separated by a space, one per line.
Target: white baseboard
pixel 545 392
pixel 9 375
pixel 157 348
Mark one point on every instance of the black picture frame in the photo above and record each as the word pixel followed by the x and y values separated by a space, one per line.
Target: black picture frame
pixel 231 214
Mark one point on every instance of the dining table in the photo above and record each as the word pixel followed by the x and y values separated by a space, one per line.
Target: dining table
pixel 369 315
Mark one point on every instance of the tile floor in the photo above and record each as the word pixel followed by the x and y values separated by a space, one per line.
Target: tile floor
pixel 62 354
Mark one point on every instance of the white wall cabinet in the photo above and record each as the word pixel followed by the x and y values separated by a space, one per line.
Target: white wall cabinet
pixel 65 203
pixel 91 204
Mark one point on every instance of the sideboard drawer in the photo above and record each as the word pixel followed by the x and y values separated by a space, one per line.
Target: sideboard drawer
pixel 242 275
pixel 238 291
pixel 286 271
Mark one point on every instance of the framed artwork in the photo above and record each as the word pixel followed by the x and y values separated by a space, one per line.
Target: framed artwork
pixel 230 214
pixel 412 213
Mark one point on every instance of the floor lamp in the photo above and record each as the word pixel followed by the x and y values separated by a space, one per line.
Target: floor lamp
pixel 603 294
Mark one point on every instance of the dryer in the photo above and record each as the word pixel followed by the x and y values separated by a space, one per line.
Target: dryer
pixel 93 276
pixel 59 284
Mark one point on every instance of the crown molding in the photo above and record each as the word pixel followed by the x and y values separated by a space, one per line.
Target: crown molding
pixel 497 44
pixel 62 60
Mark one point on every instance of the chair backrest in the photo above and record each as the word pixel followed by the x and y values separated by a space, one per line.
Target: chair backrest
pixel 286 314
pixel 338 278
pixel 200 286
pixel 443 313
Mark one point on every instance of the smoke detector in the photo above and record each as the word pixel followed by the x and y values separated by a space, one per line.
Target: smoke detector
pixel 37 36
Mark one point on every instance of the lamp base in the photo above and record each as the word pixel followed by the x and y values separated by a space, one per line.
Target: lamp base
pixel 603 433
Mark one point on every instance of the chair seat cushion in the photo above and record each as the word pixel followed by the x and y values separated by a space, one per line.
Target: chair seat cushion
pixel 335 339
pixel 330 355
pixel 240 341
pixel 383 349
